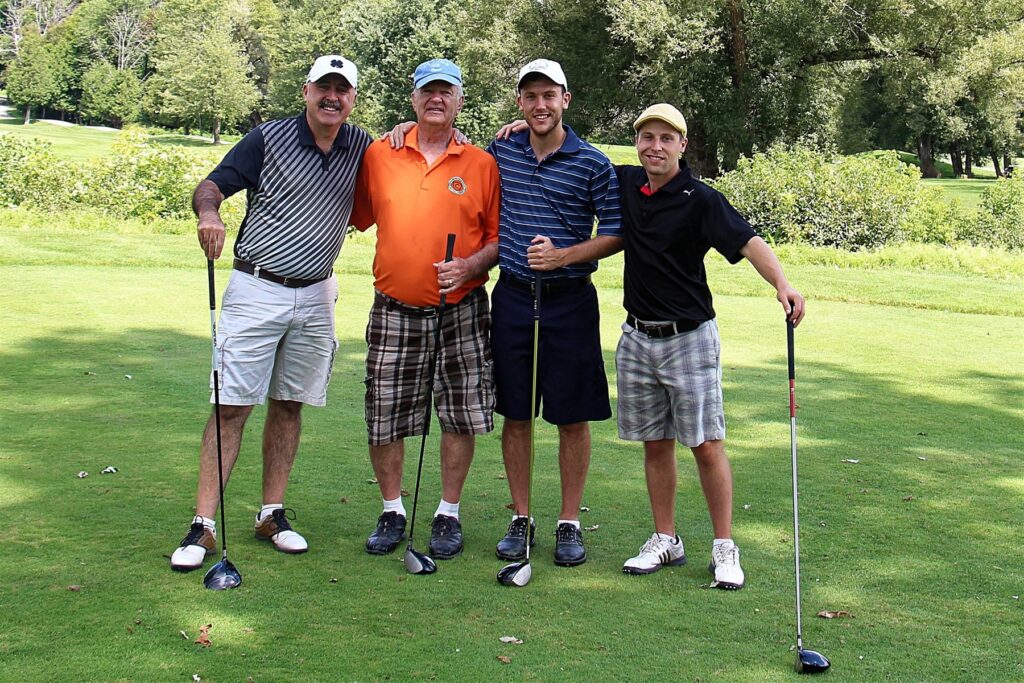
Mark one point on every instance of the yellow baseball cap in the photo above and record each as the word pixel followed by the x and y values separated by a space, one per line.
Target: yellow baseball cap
pixel 662 112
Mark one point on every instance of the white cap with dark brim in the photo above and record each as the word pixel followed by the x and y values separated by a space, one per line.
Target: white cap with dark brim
pixel 333 64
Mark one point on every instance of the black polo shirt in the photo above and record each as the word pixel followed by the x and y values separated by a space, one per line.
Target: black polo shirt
pixel 299 199
pixel 667 234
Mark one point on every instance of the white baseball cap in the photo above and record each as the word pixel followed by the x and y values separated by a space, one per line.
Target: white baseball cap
pixel 333 64
pixel 545 67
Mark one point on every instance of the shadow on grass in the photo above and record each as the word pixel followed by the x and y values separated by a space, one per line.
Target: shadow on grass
pixel 904 538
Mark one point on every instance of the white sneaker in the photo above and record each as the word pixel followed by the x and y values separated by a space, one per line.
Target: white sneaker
pixel 275 528
pixel 192 552
pixel 725 565
pixel 655 554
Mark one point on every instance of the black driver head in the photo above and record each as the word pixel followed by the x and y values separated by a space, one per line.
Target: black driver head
pixel 811 662
pixel 418 563
pixel 222 576
pixel 516 574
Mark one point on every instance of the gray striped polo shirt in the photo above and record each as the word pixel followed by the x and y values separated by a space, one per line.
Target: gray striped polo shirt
pixel 298 199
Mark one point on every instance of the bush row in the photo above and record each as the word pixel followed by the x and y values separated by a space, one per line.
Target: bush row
pixel 137 179
pixel 791 195
pixel 806 196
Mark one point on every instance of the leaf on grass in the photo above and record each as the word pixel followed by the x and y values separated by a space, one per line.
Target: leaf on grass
pixel 852 461
pixel 501 476
pixel 592 528
pixel 510 506
pixel 921 457
pixel 908 498
pixel 204 635
pixel 109 470
pixel 584 508
pixel 90 373
pixel 82 475
pixel 511 639
pixel 196 678
pixel 183 635
pixel 830 614
pixel 922 433
pixel 504 659
pixel 371 480
pixel 74 588
pixel 405 492
pixel 127 376
pixel 344 499
pixel 332 581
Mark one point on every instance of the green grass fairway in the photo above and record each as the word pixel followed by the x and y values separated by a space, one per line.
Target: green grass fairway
pixel 916 375
pixel 968 191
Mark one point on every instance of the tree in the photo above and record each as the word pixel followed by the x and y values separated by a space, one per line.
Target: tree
pixel 32 76
pixel 111 95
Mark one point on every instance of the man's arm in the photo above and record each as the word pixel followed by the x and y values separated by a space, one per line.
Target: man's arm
pixel 543 255
pixel 461 270
pixel 206 201
pixel 767 265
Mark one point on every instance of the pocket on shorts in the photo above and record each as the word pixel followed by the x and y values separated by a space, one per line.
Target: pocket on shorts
pixel 330 364
pixel 369 397
pixel 486 385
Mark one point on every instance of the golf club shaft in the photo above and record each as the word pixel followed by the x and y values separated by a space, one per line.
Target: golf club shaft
pixel 796 497
pixel 216 407
pixel 533 406
pixel 449 249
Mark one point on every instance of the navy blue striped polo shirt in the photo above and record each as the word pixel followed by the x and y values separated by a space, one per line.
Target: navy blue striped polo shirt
pixel 298 199
pixel 559 198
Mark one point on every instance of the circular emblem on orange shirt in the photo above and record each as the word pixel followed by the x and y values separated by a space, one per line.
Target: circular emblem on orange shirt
pixel 457 185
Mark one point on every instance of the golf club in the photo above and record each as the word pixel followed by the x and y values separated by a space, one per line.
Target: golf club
pixel 222 575
pixel 415 561
pixel 807 661
pixel 519 573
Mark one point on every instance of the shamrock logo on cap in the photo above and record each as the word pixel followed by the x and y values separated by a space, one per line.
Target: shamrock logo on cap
pixel 337 63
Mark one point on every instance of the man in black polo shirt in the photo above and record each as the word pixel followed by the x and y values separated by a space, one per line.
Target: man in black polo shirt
pixel 276 336
pixel 667 361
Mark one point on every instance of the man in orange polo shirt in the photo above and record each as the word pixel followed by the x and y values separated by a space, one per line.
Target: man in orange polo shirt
pixel 416 196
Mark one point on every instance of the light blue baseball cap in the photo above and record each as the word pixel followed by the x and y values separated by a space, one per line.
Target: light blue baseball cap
pixel 437 70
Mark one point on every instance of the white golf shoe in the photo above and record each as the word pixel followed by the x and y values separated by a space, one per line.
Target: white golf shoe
pixel 656 553
pixel 725 565
pixel 275 528
pixel 191 554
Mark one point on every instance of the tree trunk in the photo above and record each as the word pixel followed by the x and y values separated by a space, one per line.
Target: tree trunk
pixel 925 144
pixel 995 161
pixel 216 131
pixel 701 155
pixel 956 159
pixel 969 162
pixel 1007 162
pixel 28 114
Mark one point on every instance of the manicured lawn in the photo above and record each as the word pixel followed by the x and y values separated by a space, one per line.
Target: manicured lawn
pixel 915 374
pixel 968 191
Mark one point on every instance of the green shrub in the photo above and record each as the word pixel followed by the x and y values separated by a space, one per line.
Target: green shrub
pixel 800 194
pixel 936 219
pixel 1001 217
pixel 30 175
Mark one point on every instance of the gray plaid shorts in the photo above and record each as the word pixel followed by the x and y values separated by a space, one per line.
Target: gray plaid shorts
pixel 400 342
pixel 670 388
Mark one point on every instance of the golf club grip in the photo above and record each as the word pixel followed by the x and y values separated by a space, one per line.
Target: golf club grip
pixel 536 294
pixel 792 368
pixel 209 274
pixel 450 248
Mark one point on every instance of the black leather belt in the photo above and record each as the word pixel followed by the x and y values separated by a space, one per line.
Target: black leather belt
pixel 392 304
pixel 663 330
pixel 256 271
pixel 547 287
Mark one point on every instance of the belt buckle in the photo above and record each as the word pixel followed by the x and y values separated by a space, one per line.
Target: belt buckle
pixel 285 281
pixel 256 271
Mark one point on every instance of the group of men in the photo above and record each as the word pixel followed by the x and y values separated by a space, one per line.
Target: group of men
pixel 529 204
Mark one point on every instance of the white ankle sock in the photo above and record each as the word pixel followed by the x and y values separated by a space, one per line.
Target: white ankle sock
pixel 394 506
pixel 446 508
pixel 268 509
pixel 515 517
pixel 722 541
pixel 574 522
pixel 210 524
pixel 667 537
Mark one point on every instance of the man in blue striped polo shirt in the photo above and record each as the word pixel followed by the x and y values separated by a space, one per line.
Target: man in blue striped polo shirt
pixel 553 186
pixel 276 334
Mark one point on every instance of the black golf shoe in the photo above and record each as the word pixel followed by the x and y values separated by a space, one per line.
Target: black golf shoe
pixel 512 546
pixel 445 537
pixel 569 550
pixel 389 533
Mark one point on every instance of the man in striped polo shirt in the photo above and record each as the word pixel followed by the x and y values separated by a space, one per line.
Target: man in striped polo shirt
pixel 553 186
pixel 276 333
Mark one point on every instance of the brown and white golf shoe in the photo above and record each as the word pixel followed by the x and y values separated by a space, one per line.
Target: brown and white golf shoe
pixel 276 529
pixel 191 554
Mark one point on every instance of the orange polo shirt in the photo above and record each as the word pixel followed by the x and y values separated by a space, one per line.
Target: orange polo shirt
pixel 415 206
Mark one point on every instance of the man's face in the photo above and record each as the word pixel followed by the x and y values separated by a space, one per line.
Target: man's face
pixel 329 100
pixel 659 146
pixel 542 102
pixel 437 103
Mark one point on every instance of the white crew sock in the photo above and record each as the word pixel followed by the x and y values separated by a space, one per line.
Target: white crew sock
pixel 448 509
pixel 574 522
pixel 267 509
pixel 210 524
pixel 395 506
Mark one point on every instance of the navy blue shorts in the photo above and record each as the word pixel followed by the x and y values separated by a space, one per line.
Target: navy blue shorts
pixel 571 381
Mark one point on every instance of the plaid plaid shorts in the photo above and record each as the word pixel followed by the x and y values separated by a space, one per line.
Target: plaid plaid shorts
pixel 400 341
pixel 670 388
